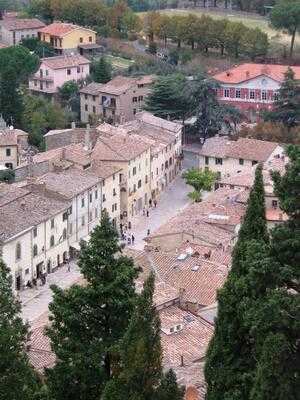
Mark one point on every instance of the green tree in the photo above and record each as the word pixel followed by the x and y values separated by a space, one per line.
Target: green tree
pixel 16 64
pixel 152 48
pixel 209 112
pixel 286 109
pixel 17 378
pixel 230 359
pixel 233 38
pixel 199 180
pixel 7 175
pixel 41 49
pixel 101 71
pixel 255 43
pixel 169 389
pixel 286 15
pixel 70 97
pixel 169 97
pixel 141 353
pixel 88 321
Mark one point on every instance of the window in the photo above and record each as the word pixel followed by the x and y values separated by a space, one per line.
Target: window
pixel 134 188
pixel 96 212
pixel 275 96
pixel 64 234
pixel 134 111
pixel 103 183
pixel 90 216
pixel 86 107
pixel 114 176
pixel 274 203
pixel 116 206
pixel 91 197
pixel 252 94
pixel 206 160
pixel 96 194
pixel 68 71
pixel 114 192
pixel 52 223
pixel 113 102
pixel 134 171
pixel 264 95
pixel 241 161
pixel 141 98
pixel 219 161
pixel 35 231
pixel 113 208
pixel 18 251
pixel 226 93
pixel 78 70
pixel 140 85
pixel 254 162
pixel 9 165
pixel 146 179
pixel 134 99
pixel 52 241
pixel 90 39
pixel 139 183
pixel 103 198
pixel 81 40
pixel 82 221
pixel 238 93
pixel 8 152
pixel 26 271
pixel 82 202
pixel 156 171
pixel 94 98
pixel 86 96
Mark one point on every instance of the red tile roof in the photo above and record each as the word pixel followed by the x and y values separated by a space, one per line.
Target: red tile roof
pixel 60 29
pixel 249 71
pixel 60 62
pixel 12 24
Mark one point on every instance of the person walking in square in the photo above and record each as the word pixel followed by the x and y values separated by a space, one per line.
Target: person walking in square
pixel 132 239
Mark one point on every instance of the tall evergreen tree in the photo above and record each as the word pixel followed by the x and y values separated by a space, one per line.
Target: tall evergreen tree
pixel 287 107
pixel 88 320
pixel 230 362
pixel 101 71
pixel 169 98
pixel 17 378
pixel 140 376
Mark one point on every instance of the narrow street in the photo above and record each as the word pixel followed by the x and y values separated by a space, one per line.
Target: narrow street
pixel 35 301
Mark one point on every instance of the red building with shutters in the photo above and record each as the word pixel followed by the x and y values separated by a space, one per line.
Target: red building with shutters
pixel 252 87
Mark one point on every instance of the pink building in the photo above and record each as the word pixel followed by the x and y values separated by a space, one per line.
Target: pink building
pixel 55 71
pixel 252 87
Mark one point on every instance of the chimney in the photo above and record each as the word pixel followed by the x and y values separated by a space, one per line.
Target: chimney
pixel 87 138
pixel 73 125
pixel 181 361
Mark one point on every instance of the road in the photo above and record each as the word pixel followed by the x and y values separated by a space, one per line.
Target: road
pixel 35 301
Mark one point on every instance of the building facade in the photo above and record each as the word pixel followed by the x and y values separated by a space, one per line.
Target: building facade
pixel 14 30
pixel 55 71
pixel 66 37
pixel 229 157
pixel 116 101
pixel 252 87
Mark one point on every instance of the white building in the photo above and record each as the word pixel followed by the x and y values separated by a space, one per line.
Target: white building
pixel 229 157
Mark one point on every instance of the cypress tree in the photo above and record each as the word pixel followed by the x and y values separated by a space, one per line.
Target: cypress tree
pixel 88 320
pixel 101 71
pixel 17 378
pixel 230 362
pixel 169 389
pixel 140 376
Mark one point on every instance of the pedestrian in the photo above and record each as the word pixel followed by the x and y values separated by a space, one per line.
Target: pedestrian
pixel 68 266
pixel 147 213
pixel 155 203
pixel 132 239
pixel 128 241
pixel 148 232
pixel 121 227
pixel 144 211
pixel 150 202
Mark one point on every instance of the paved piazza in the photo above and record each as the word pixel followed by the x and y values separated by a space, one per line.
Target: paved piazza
pixel 173 200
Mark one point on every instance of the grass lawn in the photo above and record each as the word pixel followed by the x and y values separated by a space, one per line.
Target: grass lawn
pixel 119 62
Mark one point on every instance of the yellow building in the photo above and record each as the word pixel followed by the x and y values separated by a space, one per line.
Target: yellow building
pixel 67 38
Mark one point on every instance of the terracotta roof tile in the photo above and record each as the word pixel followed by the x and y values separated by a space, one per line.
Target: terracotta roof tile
pixel 245 72
pixel 60 29
pixel 16 24
pixel 65 61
